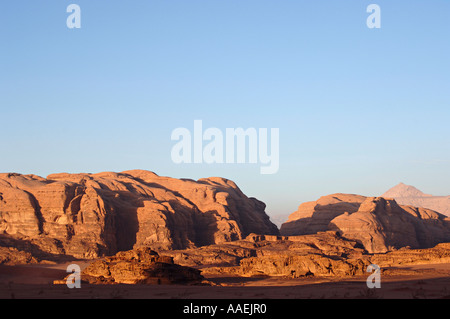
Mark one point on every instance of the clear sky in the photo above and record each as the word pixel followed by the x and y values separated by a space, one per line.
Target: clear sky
pixel 359 110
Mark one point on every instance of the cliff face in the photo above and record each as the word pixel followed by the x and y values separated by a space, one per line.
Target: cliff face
pixel 379 224
pixel 90 215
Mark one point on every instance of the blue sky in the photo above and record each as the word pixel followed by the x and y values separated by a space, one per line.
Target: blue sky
pixel 359 110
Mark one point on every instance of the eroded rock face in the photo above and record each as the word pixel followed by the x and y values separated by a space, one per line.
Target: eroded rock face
pixel 90 215
pixel 379 224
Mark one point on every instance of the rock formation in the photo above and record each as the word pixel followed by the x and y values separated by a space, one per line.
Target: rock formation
pixel 12 256
pixel 377 223
pixel 435 255
pixel 301 266
pixel 409 195
pixel 322 254
pixel 91 215
pixel 139 266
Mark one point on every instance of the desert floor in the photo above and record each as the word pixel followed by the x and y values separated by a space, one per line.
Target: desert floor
pixel 407 282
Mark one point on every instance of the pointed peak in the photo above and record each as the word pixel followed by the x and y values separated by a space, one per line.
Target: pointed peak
pixel 403 190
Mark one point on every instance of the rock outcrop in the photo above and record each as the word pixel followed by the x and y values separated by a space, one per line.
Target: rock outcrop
pixel 91 215
pixel 322 254
pixel 409 195
pixel 12 256
pixel 301 266
pixel 377 223
pixel 139 266
pixel 435 255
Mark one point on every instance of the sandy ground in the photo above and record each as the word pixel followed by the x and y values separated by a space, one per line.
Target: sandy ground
pixel 408 282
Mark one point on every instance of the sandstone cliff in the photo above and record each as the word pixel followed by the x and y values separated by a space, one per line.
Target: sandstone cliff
pixel 377 223
pixel 90 215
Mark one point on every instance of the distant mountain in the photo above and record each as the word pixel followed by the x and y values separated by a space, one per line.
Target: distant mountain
pixel 403 190
pixel 409 195
pixel 279 219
